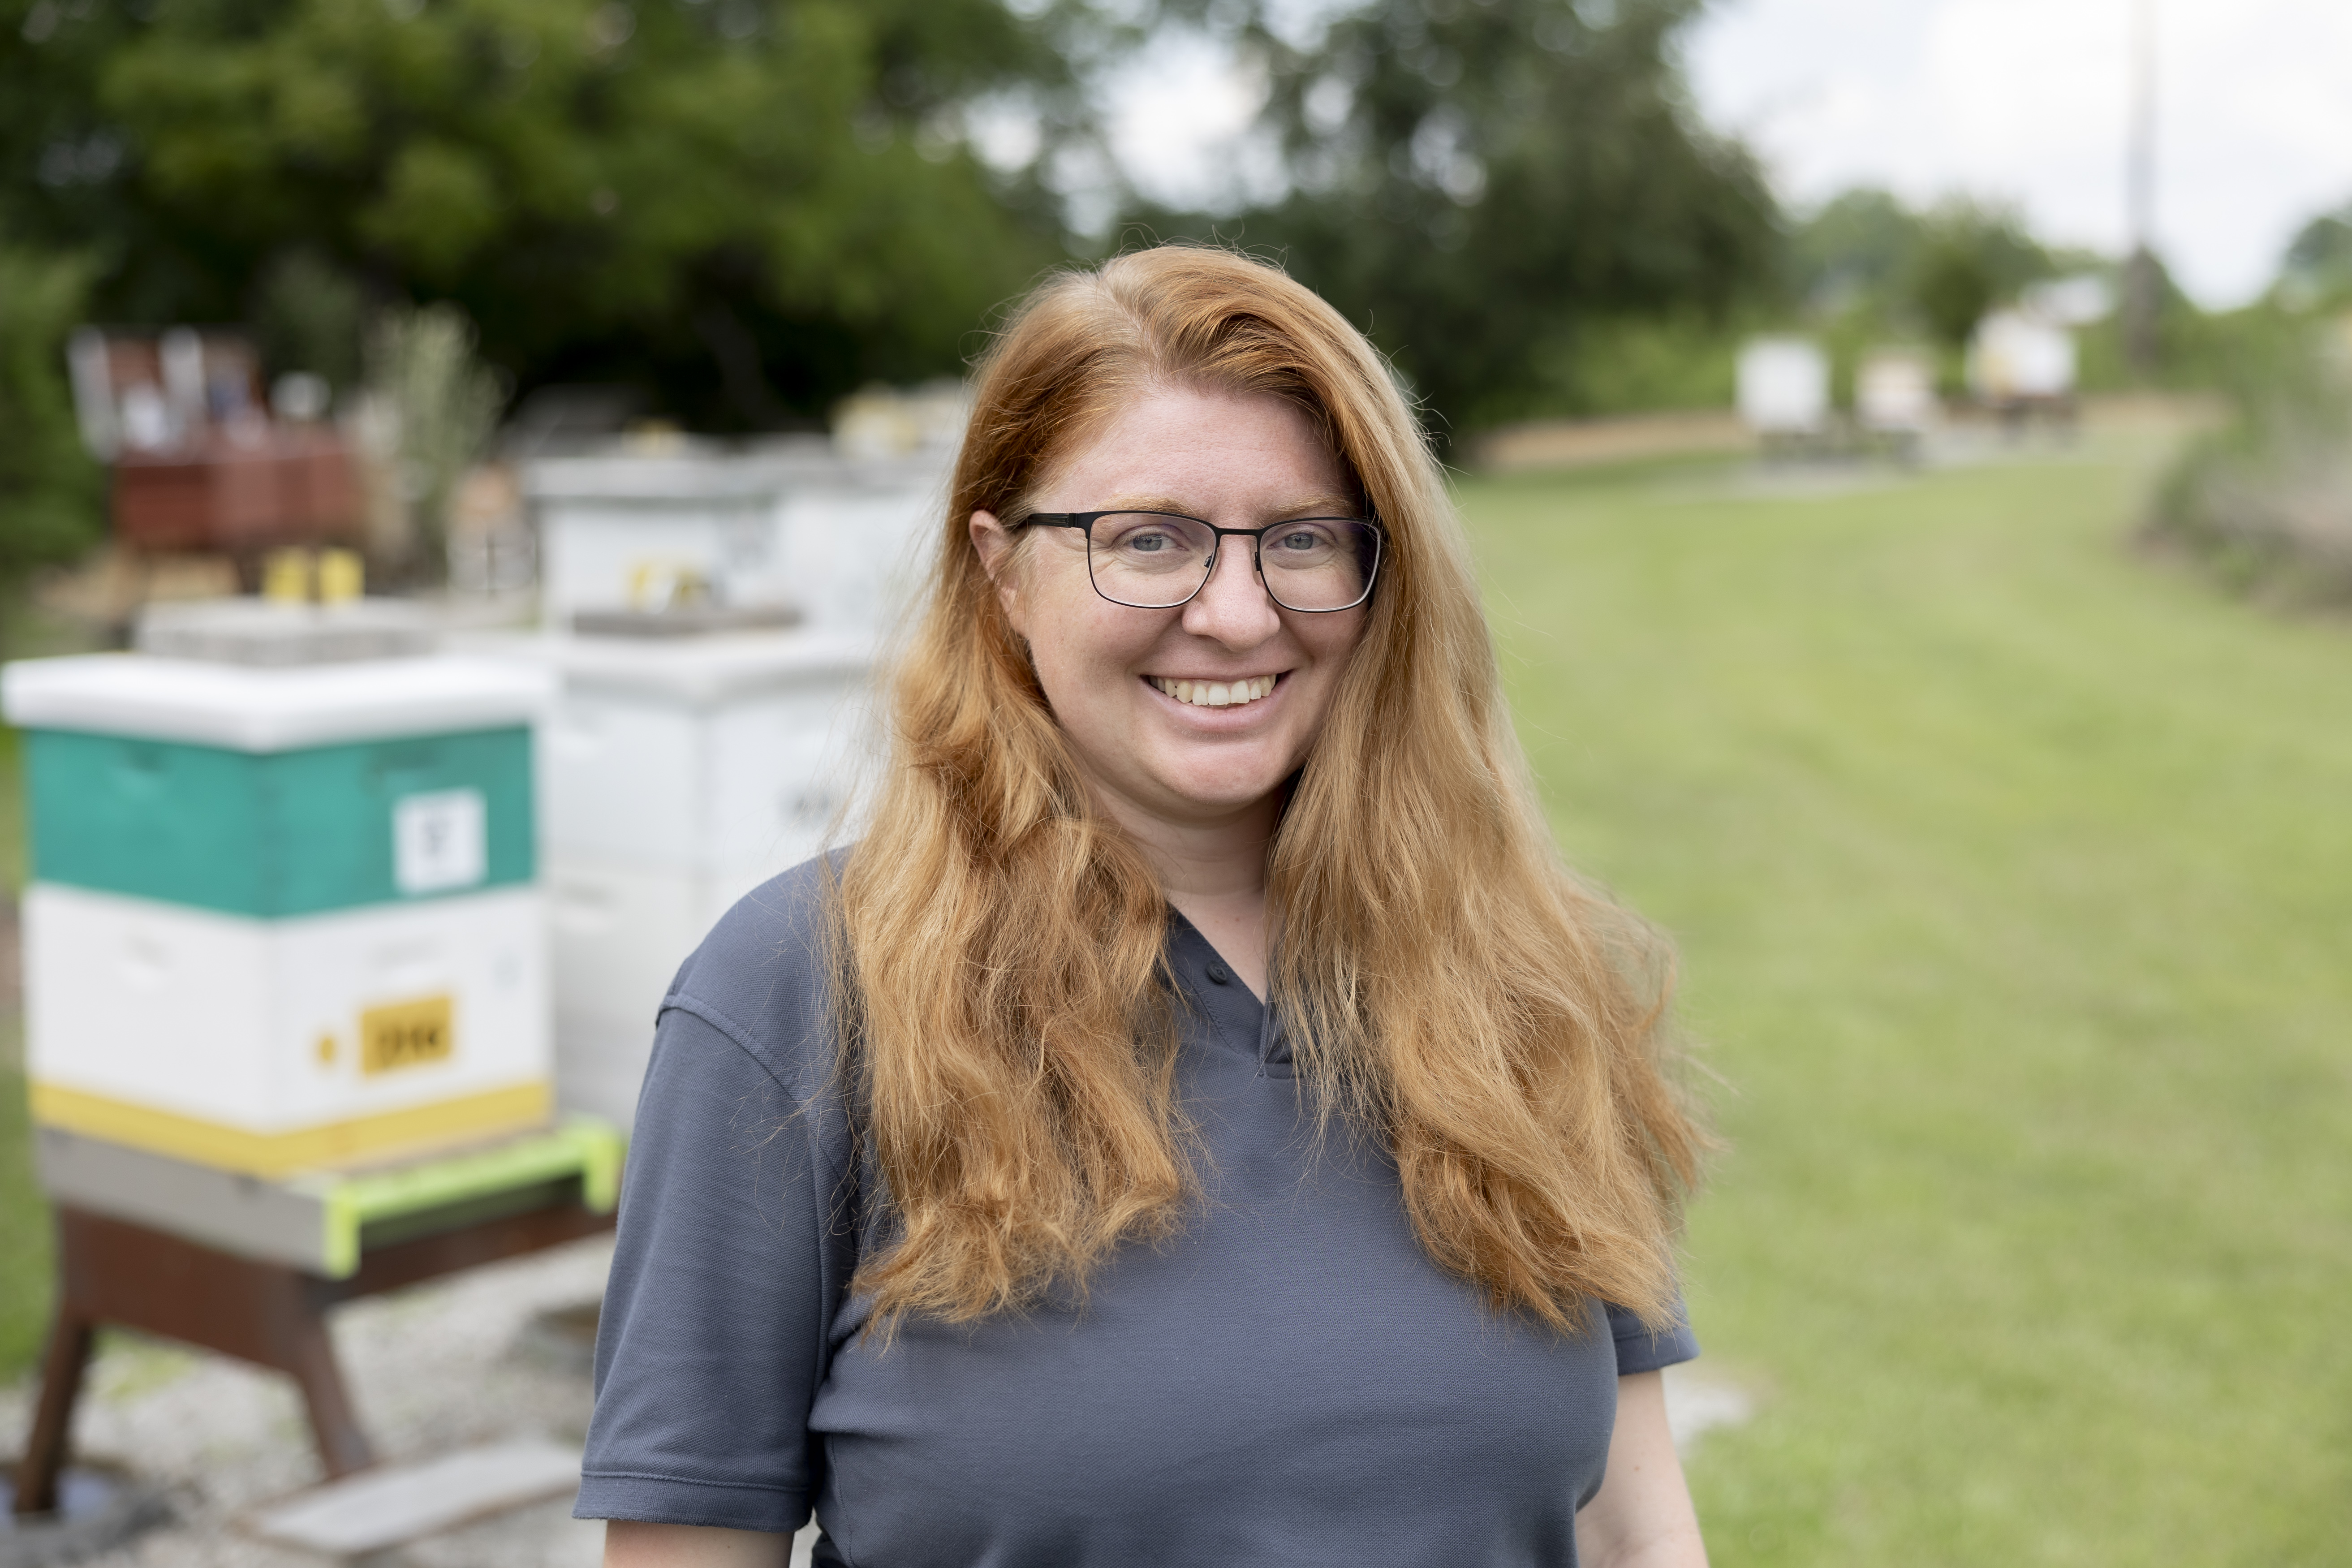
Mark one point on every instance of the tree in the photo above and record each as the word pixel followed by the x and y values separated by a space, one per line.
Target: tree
pixel 1856 249
pixel 752 205
pixel 1969 259
pixel 2318 262
pixel 50 494
pixel 1479 184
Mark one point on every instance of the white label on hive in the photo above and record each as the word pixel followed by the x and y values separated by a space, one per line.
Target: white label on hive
pixel 439 841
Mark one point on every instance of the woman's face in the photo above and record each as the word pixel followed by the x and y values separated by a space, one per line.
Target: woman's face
pixel 1109 671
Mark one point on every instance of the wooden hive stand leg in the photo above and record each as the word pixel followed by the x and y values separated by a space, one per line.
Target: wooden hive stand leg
pixel 62 1370
pixel 310 1357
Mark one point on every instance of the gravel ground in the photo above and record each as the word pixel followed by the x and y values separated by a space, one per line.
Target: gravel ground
pixel 433 1368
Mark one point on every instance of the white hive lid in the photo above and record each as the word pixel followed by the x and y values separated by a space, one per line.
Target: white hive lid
pixel 628 479
pixel 761 476
pixel 245 708
pixel 696 673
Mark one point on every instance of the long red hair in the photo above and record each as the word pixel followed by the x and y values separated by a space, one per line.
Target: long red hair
pixel 1446 981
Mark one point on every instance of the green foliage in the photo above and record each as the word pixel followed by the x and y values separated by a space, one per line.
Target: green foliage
pixel 2011 885
pixel 2265 503
pixel 752 204
pixel 50 495
pixel 443 405
pixel 1858 247
pixel 1868 257
pixel 2318 267
pixel 1632 364
pixel 1967 259
pixel 1478 187
pixel 307 315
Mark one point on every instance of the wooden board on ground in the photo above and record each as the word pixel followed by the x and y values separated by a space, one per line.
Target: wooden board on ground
pixel 390 1504
pixel 1580 443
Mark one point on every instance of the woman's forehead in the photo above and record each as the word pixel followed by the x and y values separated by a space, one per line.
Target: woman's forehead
pixel 1168 448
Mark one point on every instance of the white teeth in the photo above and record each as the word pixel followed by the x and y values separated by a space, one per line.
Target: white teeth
pixel 1218 693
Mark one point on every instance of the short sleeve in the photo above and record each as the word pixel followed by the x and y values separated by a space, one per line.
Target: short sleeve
pixel 732 1254
pixel 1641 1349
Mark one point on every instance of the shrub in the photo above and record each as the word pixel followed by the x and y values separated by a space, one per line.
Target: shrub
pixel 2265 503
pixel 51 493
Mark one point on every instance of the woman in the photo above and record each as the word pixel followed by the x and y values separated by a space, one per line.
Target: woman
pixel 979 1198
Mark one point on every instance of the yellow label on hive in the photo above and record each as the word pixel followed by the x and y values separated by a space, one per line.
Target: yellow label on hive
pixel 406 1034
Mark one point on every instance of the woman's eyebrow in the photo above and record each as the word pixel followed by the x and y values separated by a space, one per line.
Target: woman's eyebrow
pixel 1313 506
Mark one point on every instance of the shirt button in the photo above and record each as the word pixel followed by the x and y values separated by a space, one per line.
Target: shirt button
pixel 1219 974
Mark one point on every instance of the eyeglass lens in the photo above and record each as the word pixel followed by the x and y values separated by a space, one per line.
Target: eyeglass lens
pixel 1151 562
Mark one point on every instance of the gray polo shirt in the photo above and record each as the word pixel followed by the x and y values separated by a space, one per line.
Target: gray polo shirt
pixel 1291 1381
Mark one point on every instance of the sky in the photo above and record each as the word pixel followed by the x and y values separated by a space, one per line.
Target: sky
pixel 2024 101
pixel 2027 101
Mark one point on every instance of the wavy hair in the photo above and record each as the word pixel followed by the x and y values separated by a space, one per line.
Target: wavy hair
pixel 1448 984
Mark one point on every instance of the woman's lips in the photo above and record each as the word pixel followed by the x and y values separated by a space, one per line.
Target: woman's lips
pixel 1217 693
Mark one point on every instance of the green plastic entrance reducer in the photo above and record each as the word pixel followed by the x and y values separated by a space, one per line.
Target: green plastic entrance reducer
pixel 583 1147
pixel 322 1221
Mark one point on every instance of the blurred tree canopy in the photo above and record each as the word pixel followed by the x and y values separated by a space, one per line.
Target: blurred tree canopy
pixel 1481 185
pixel 1933 273
pixel 2318 266
pixel 48 486
pixel 750 206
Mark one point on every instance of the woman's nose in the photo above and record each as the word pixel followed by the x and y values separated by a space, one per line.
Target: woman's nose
pixel 1233 606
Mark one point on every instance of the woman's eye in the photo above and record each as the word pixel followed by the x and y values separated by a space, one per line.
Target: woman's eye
pixel 1299 538
pixel 1145 543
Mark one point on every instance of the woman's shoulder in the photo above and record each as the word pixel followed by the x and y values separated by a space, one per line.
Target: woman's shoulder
pixel 763 977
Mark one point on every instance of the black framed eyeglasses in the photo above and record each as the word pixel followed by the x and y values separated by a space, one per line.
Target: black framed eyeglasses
pixel 1159 560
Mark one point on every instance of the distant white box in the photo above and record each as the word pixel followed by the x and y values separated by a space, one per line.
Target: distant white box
pixel 2072 302
pixel 676 776
pixel 1894 391
pixel 274 1045
pixel 1784 386
pixel 801 526
pixel 2016 357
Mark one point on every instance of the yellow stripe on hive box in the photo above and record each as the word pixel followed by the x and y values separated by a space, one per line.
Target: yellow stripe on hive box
pixel 317 1147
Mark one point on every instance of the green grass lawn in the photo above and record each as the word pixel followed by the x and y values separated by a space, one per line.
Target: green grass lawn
pixel 2012 877
pixel 24 1218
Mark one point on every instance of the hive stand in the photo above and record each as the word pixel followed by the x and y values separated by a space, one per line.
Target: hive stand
pixel 114 1271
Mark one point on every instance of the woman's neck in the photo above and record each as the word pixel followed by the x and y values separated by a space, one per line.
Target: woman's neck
pixel 1213 871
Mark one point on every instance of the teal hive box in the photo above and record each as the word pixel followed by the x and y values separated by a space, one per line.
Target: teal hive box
pixel 269 833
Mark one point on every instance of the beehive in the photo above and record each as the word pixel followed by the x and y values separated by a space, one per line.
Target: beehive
pixel 835 539
pixel 677 776
pixel 282 920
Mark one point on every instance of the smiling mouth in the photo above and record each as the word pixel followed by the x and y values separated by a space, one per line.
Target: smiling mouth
pixel 1217 693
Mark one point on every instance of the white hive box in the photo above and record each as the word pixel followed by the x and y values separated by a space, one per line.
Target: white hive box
pixel 853 537
pixel 1894 391
pixel 1784 386
pixel 283 918
pixel 798 526
pixel 2015 356
pixel 612 527
pixel 677 776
